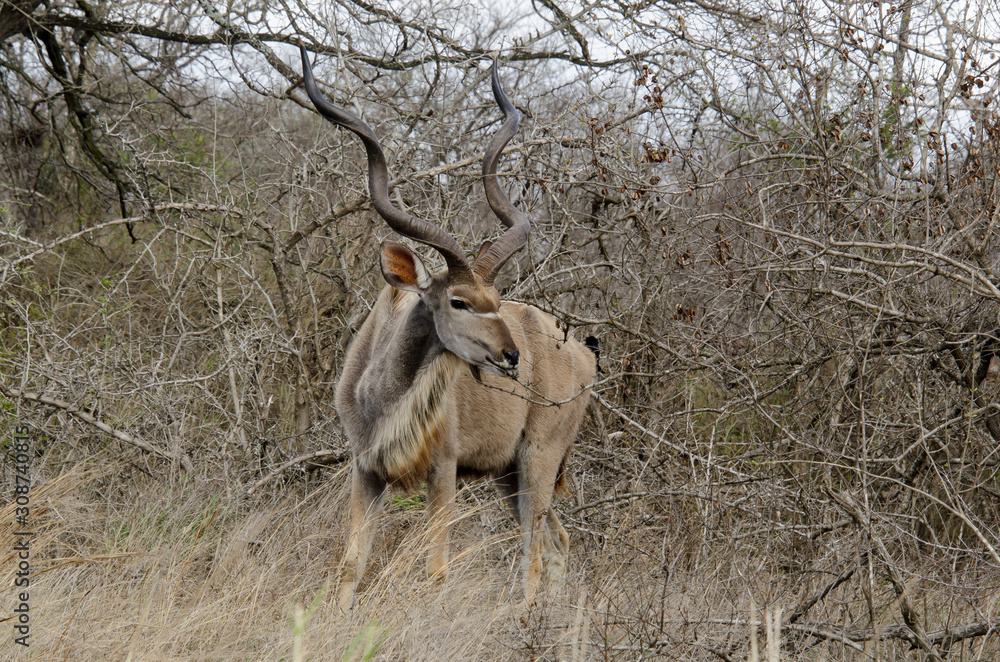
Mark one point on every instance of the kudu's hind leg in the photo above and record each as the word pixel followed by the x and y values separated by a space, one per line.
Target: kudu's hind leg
pixel 441 507
pixel 546 543
pixel 556 553
pixel 367 496
pixel 542 539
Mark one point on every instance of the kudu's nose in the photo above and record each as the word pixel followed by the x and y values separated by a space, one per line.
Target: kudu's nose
pixel 511 356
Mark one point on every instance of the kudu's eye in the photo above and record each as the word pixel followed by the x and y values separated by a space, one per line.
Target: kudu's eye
pixel 458 304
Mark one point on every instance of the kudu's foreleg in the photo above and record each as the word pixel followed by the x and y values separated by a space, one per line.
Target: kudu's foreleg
pixel 441 507
pixel 367 497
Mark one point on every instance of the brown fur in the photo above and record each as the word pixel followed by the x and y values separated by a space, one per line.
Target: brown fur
pixel 409 407
pixel 445 423
pixel 406 442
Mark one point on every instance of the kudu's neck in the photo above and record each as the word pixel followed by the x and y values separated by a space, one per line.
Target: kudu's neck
pixel 403 396
pixel 401 357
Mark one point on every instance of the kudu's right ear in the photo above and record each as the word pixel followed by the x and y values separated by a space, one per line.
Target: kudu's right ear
pixel 403 269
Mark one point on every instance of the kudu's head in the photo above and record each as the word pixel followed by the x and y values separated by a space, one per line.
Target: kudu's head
pixel 462 299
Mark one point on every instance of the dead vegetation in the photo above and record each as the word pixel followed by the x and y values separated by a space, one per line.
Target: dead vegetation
pixel 780 220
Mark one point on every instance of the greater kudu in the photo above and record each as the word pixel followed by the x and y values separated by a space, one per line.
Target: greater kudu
pixel 413 402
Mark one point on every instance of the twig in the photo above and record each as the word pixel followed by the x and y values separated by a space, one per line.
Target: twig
pixel 805 606
pixel 610 499
pixel 662 439
pixel 180 458
pixel 339 456
pixel 910 615
pixel 950 637
pixel 823 631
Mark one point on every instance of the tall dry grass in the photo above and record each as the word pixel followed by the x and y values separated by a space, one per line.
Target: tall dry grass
pixel 179 574
pixel 174 571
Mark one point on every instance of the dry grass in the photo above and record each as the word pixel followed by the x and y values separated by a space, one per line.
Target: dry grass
pixel 176 574
pixel 172 572
pixel 794 449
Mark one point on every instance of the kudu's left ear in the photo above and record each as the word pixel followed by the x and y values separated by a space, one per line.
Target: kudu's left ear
pixel 403 269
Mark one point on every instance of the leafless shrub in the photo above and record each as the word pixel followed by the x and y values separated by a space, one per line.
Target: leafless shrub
pixel 779 219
